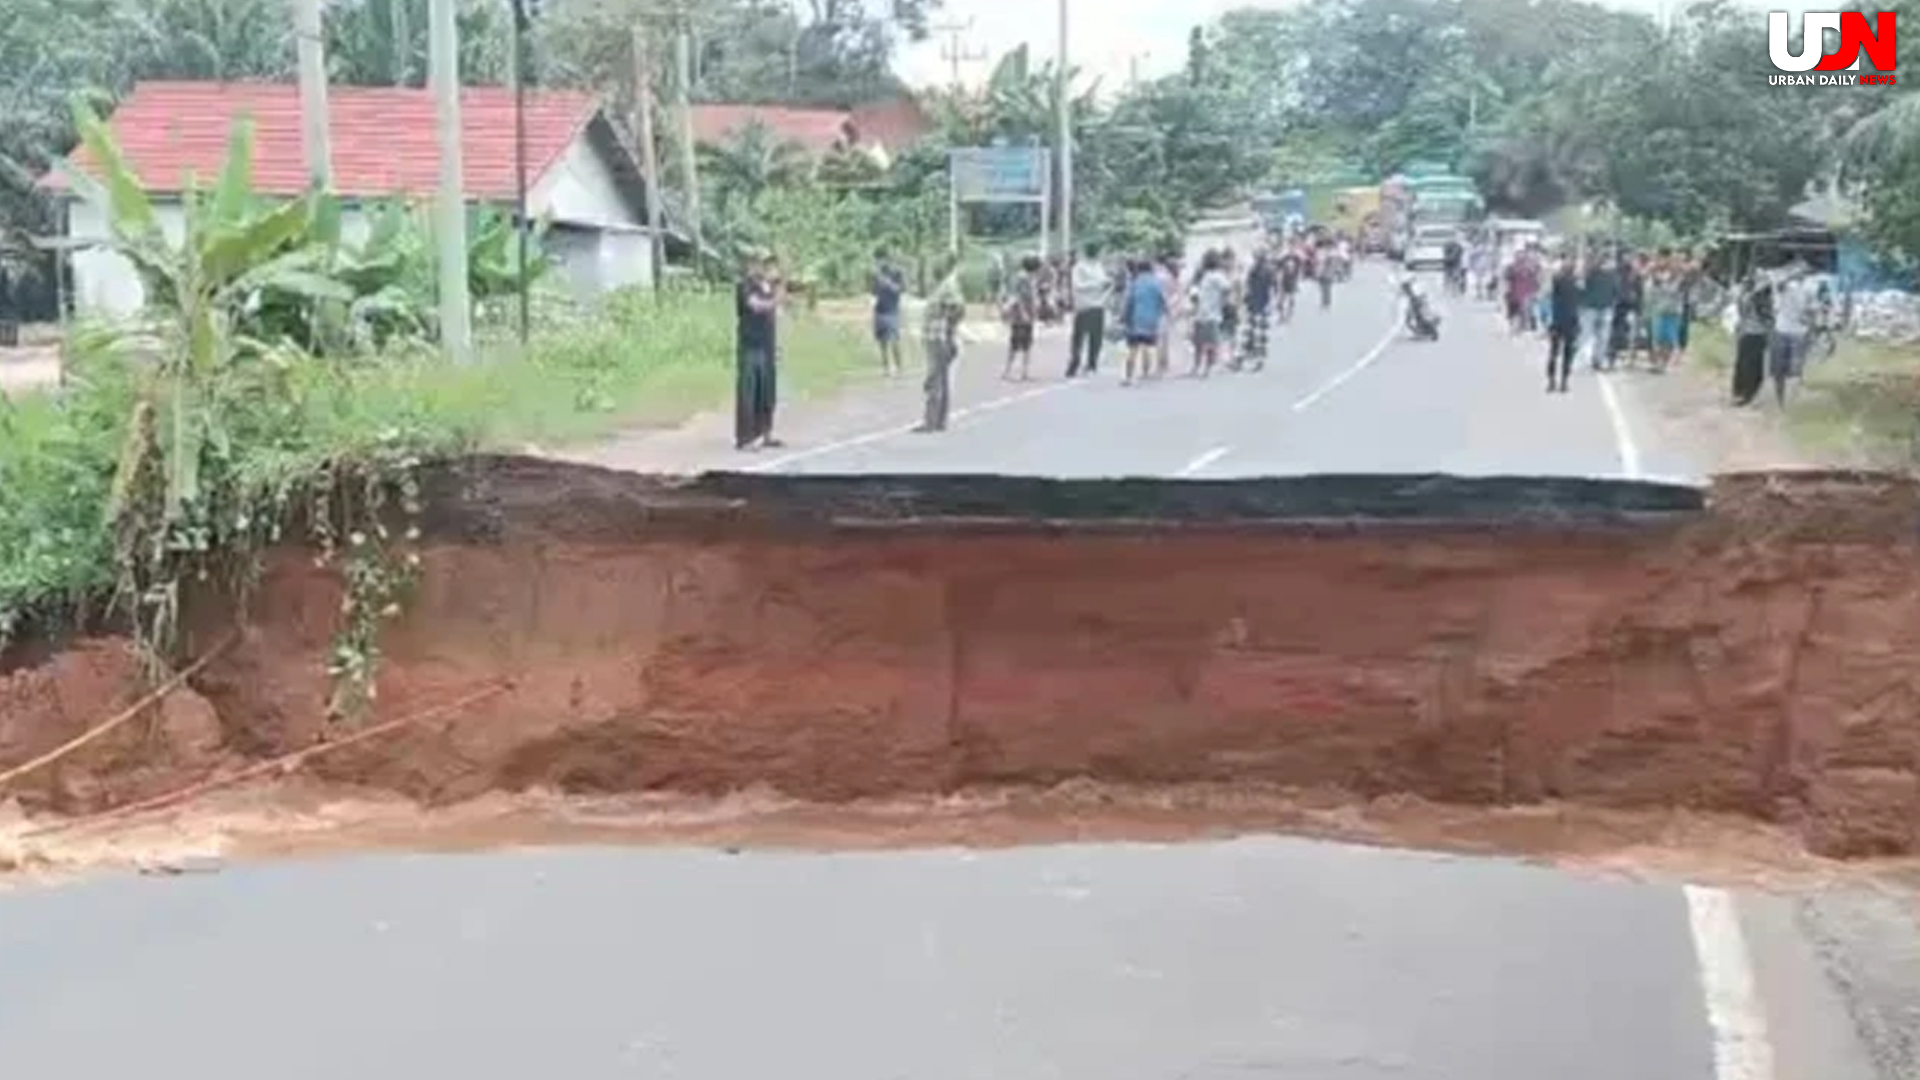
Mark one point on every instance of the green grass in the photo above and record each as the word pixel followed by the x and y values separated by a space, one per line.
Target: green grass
pixel 637 362
pixel 1861 406
pixel 644 363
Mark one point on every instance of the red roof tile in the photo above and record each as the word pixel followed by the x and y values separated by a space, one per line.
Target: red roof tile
pixel 382 137
pixel 815 130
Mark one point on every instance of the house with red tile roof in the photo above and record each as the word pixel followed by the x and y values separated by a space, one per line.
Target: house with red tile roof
pixel 886 126
pixel 581 176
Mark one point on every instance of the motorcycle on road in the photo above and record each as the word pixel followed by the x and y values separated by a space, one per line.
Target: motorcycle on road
pixel 1421 320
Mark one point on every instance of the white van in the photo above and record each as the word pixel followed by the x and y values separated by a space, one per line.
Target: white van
pixel 1516 232
pixel 1427 246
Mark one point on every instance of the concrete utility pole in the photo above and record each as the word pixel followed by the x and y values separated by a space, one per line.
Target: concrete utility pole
pixel 450 207
pixel 689 163
pixel 311 48
pixel 649 154
pixel 1063 110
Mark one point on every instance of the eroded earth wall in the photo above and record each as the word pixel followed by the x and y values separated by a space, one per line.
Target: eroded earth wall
pixel 1753 649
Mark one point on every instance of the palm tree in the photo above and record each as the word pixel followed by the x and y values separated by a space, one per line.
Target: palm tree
pixel 210 39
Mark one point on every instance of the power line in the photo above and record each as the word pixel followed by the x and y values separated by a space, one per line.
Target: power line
pixel 955 50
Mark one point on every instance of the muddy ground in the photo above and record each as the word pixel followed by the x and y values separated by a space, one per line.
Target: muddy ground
pixel 1313 655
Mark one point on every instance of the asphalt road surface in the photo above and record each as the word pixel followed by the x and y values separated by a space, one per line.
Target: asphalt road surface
pixel 1345 391
pixel 1218 961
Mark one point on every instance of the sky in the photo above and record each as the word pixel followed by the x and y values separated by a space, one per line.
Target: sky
pixel 1106 35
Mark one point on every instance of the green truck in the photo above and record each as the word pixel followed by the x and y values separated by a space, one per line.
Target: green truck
pixel 1432 196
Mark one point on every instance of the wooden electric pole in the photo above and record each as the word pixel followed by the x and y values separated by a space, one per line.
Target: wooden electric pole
pixel 649 152
pixel 310 47
pixel 450 205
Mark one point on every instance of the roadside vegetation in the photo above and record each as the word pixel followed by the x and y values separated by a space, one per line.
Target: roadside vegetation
pixel 1859 408
pixel 285 387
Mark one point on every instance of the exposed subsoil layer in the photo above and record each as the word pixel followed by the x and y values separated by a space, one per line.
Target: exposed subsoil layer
pixel 1487 642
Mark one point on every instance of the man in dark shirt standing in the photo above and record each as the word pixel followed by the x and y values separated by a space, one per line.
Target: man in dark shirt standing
pixel 756 303
pixel 1563 324
pixel 1262 284
pixel 1599 292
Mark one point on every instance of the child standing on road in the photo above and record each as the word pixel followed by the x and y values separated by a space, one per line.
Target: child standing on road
pixel 1022 310
pixel 1144 314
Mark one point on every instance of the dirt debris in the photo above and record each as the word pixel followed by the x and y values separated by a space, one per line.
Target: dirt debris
pixel 305 819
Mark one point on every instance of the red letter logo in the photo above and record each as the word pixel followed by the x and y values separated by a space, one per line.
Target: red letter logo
pixel 1856 35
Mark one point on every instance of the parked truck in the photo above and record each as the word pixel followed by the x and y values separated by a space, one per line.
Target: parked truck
pixel 1394 217
pixel 1281 210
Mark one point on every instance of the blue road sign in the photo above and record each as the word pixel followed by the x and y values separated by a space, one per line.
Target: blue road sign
pixel 999 173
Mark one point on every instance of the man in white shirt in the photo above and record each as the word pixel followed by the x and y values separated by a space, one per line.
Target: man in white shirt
pixel 1792 311
pixel 1092 286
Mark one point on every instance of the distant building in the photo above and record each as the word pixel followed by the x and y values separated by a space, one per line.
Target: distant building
pixel 581 176
pixel 885 127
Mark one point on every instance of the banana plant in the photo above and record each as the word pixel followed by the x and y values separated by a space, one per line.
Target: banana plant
pixel 175 505
pixel 493 255
pixel 233 248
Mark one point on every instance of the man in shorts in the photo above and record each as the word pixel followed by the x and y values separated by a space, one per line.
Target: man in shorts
pixel 1787 347
pixel 1144 314
pixel 889 285
pixel 1665 301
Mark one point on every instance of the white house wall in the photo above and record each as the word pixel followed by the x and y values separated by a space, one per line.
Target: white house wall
pixel 623 259
pixel 580 189
pixel 106 284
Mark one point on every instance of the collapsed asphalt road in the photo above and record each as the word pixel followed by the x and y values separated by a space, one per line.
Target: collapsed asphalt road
pixel 1258 957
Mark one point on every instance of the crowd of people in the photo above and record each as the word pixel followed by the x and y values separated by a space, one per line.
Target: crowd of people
pixel 1602 306
pixel 1606 307
pixel 1222 309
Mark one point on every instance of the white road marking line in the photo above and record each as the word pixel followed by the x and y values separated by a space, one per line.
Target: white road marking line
pixel 1741 1048
pixel 1203 461
pixel 775 464
pixel 1364 363
pixel 1622 432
